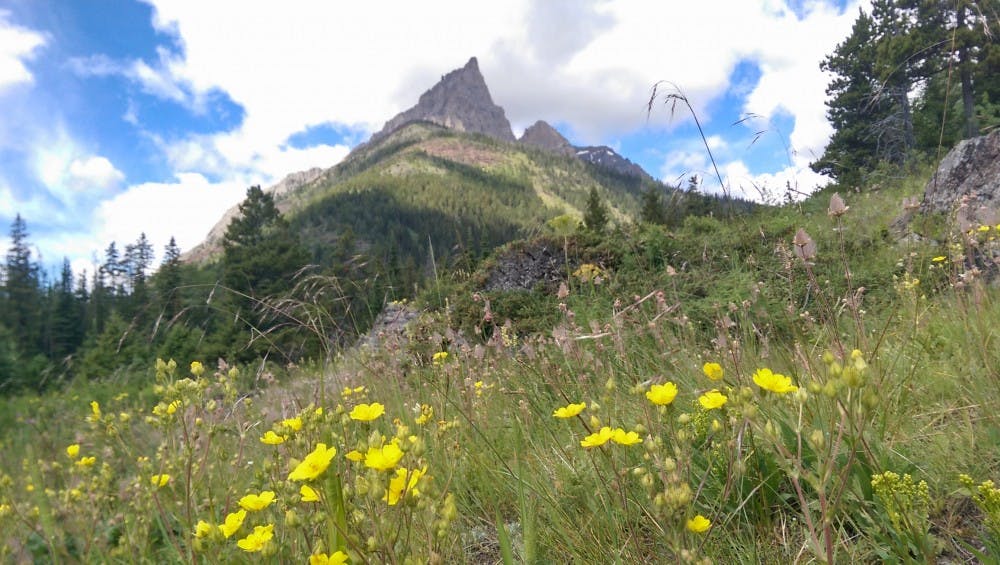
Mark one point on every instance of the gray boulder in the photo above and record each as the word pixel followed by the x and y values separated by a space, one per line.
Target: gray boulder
pixel 967 182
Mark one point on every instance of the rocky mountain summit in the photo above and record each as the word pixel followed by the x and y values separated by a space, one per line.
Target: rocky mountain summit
pixel 460 101
pixel 544 136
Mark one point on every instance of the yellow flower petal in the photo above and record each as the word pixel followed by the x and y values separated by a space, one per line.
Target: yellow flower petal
pixel 662 395
pixel 570 410
pixel 699 524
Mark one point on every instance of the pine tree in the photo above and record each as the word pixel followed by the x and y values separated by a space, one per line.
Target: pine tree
pixel 852 105
pixel 66 324
pixel 595 217
pixel 261 253
pixel 653 210
pixel 169 280
pixel 261 257
pixel 22 290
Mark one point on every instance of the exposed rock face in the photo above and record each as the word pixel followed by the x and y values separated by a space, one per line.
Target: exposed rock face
pixel 604 156
pixel 462 102
pixel 968 180
pixel 213 241
pixel 544 136
pixel 390 326
pixel 524 268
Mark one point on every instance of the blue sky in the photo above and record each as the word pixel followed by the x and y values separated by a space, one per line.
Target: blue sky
pixel 119 117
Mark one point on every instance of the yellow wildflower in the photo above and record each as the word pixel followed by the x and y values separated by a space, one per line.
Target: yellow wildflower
pixel 440 357
pixel 255 502
pixel 159 481
pixel 712 399
pixel 774 382
pixel 404 482
pixel 308 494
pixel 622 437
pixel 367 412
pixel 271 438
pixel 73 450
pixel 203 529
pixel 598 438
pixel 713 371
pixel 314 464
pixel 338 558
pixel 294 424
pixel 426 413
pixel 939 258
pixel 197 368
pixel 662 395
pixel 95 410
pixel 86 461
pixel 258 539
pixel 172 407
pixel 699 524
pixel 569 410
pixel 355 455
pixel 233 523
pixel 383 458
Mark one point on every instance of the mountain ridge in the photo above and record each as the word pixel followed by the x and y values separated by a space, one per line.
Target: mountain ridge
pixel 460 102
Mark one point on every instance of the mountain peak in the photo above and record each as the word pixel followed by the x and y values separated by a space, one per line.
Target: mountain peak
pixel 544 136
pixel 460 101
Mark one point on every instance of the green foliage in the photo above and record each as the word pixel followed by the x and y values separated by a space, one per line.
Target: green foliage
pixel 595 217
pixel 939 55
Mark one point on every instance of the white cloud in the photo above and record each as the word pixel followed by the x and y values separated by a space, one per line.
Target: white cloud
pixel 590 65
pixel 94 172
pixel 185 209
pixel 69 174
pixel 769 188
pixel 16 45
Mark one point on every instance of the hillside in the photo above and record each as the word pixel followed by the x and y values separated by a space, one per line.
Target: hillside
pixel 703 392
pixel 459 190
pixel 450 171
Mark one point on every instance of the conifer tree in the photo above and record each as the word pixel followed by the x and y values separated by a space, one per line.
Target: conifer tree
pixel 595 217
pixel 21 286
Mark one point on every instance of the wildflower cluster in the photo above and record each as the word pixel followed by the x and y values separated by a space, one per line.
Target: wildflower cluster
pixel 986 496
pixel 906 502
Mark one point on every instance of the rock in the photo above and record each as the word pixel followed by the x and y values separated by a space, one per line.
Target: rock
pixel 968 182
pixel 390 325
pixel 460 101
pixel 523 268
pixel 544 136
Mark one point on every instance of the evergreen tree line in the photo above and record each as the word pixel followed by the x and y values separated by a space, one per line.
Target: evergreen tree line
pixel 249 305
pixel 45 324
pixel 913 77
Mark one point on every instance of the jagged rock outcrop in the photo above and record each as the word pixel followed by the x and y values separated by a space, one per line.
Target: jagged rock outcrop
pixel 460 101
pixel 212 243
pixel 544 136
pixel 968 181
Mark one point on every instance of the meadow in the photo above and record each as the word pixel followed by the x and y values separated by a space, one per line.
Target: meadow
pixel 792 386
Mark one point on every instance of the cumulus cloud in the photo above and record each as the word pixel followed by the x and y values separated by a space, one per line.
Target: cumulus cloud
pixel 16 45
pixel 184 209
pixel 93 172
pixel 589 65
pixel 70 174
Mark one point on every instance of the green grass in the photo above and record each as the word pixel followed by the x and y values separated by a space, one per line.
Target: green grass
pixel 781 477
